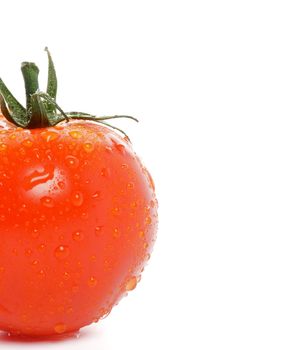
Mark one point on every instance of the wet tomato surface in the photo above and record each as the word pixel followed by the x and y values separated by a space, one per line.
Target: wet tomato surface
pixel 78 219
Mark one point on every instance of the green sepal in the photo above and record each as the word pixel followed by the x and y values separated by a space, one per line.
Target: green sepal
pixel 52 83
pixel 17 112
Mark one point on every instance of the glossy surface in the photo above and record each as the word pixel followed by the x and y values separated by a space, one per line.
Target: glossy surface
pixel 78 219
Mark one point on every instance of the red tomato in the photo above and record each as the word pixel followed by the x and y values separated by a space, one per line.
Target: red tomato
pixel 78 218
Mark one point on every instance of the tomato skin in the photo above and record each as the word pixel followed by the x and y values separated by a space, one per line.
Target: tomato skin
pixel 78 219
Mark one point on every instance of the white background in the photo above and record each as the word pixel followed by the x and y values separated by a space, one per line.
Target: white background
pixel 210 82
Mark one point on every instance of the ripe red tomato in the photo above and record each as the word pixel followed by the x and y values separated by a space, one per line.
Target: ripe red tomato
pixel 78 217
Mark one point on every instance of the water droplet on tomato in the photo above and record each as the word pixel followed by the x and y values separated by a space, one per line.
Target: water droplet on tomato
pixel 62 252
pixel 96 194
pixel 66 276
pixel 47 202
pixel 49 135
pixel 77 199
pixel 141 234
pixel 116 233
pixel 105 172
pixel 108 149
pixel 27 143
pixel 75 134
pixel 69 310
pixel 3 147
pixel 92 282
pixel 148 220
pixel 35 233
pixel 61 185
pixel 115 211
pixel 77 236
pixel 120 148
pixel 60 328
pixel 130 185
pixel 28 252
pixel 41 273
pixel 131 284
pixel 105 314
pixel 72 162
pixel 88 147
pixel 98 230
pixel 41 246
pixel 124 166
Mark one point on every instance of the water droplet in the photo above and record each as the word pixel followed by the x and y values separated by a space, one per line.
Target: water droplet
pixel 108 149
pixel 77 199
pixel 145 245
pixel 96 194
pixel 35 262
pixel 28 252
pixel 35 233
pixel 92 282
pixel 148 220
pixel 60 328
pixel 120 148
pixel 115 211
pixel 47 202
pixel 62 252
pixel 124 166
pixel 61 185
pixel 41 273
pixel 130 185
pixel 131 284
pixel 41 246
pixel 98 230
pixel 3 147
pixel 88 147
pixel 105 314
pixel 93 258
pixel 141 234
pixel 84 215
pixel 75 134
pixel 116 233
pixel 105 172
pixel 27 143
pixel 147 257
pixel 69 310
pixel 77 236
pixel 66 276
pixel 72 162
pixel 49 135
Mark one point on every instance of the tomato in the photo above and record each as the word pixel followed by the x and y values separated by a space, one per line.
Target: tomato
pixel 78 219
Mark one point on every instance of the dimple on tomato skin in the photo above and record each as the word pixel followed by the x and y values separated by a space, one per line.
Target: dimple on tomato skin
pixel 78 219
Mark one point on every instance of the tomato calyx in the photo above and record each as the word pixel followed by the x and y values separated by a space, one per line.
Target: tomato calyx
pixel 42 109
